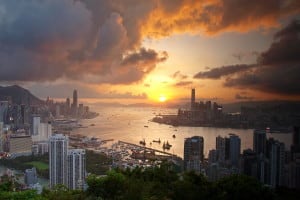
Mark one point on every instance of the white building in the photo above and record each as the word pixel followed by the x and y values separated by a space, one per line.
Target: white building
pixel 44 132
pixel 35 124
pixel 76 169
pixel 58 161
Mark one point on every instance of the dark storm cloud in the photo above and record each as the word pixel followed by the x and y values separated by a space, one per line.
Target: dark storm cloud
pixel 99 41
pixel 275 78
pixel 217 73
pixel 144 56
pixel 35 36
pixel 286 47
pixel 277 70
pixel 81 40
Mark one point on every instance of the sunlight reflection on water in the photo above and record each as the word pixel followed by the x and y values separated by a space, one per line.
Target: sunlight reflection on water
pixel 132 124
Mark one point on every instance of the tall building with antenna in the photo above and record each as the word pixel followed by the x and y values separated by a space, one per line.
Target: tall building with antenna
pixel 193 99
pixel 75 102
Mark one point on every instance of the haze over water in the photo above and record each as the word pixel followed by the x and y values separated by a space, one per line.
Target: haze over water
pixel 128 124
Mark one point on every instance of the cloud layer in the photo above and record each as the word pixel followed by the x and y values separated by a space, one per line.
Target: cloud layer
pixel 277 70
pixel 100 41
pixel 219 72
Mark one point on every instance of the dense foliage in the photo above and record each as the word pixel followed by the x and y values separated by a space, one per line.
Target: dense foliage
pixel 157 183
pixel 95 163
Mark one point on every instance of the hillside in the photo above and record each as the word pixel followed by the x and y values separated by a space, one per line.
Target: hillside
pixel 18 95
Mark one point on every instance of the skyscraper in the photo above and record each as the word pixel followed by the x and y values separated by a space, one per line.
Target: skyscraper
pixel 193 98
pixel 3 111
pixel 58 152
pixel 234 149
pixel 296 140
pixel 221 148
pixel 35 124
pixel 68 106
pixel 277 158
pixel 75 102
pixel 76 169
pixel 295 165
pixel 249 163
pixel 259 141
pixel 193 153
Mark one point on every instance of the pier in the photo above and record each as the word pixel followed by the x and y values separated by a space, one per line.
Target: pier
pixel 147 148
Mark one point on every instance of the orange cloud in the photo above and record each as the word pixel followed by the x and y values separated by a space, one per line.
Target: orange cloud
pixel 216 16
pixel 91 40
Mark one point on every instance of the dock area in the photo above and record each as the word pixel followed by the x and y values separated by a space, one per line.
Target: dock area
pixel 147 148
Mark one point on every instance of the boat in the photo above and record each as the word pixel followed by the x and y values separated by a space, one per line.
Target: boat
pixel 167 146
pixel 92 124
pixel 158 141
pixel 146 126
pixel 142 142
pixel 174 136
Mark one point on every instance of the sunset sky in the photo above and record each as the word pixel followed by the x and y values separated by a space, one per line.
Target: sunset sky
pixel 148 51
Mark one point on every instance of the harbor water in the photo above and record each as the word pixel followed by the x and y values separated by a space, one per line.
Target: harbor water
pixel 133 124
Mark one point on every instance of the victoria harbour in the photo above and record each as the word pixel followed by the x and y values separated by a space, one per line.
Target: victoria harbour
pixel 133 124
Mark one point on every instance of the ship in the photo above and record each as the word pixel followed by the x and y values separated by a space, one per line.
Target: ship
pixel 167 146
pixel 158 141
pixel 142 142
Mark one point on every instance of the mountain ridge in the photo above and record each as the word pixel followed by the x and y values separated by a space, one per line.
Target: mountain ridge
pixel 18 95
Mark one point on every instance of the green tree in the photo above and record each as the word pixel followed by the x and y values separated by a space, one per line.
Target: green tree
pixel 111 186
pixel 242 187
pixel 61 192
pixel 192 186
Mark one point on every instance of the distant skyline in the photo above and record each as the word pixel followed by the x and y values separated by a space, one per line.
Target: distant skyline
pixel 154 51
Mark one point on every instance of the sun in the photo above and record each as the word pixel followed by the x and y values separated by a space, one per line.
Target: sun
pixel 162 98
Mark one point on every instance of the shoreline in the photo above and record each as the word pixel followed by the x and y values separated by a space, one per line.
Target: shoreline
pixel 173 120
